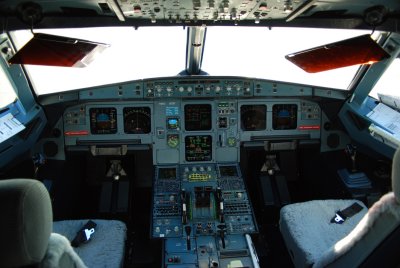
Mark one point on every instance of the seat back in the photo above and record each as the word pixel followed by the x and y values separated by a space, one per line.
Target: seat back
pixel 26 222
pixel 380 221
pixel 26 225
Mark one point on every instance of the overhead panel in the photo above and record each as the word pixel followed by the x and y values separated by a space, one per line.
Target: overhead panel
pixel 205 10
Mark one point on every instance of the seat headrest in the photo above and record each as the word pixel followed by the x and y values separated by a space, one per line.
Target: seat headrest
pixel 25 223
pixel 396 174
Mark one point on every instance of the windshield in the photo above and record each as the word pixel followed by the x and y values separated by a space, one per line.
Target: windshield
pixel 149 52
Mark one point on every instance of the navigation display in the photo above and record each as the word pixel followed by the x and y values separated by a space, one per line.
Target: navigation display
pixel 137 120
pixel 284 116
pixel 103 120
pixel 198 148
pixel 197 117
pixel 253 117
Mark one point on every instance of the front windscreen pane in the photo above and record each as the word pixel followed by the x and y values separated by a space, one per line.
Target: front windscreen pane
pixel 259 52
pixel 133 54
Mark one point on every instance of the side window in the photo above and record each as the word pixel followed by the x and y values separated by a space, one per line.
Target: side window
pixel 7 93
pixel 389 83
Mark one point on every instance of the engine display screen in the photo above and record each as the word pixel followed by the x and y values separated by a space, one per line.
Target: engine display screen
pixel 284 116
pixel 197 117
pixel 253 117
pixel 198 148
pixel 103 120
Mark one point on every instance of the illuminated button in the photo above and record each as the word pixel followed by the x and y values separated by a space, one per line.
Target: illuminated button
pixel 194 169
pixel 181 89
pixel 169 89
pixel 157 229
pixel 189 89
pixel 218 89
pixel 229 88
pixel 201 168
pixel 208 88
pixel 199 177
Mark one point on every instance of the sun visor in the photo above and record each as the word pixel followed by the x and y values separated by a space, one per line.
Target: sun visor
pixel 358 50
pixel 53 50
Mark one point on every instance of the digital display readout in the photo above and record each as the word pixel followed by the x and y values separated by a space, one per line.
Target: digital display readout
pixel 253 117
pixel 173 123
pixel 284 116
pixel 137 120
pixel 197 117
pixel 103 120
pixel 198 148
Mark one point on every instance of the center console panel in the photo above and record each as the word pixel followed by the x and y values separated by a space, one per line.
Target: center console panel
pixel 204 214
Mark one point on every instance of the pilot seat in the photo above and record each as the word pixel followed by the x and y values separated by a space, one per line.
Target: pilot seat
pixel 29 236
pixel 340 233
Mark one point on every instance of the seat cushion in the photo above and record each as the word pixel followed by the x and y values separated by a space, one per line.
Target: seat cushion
pixel 106 248
pixel 308 232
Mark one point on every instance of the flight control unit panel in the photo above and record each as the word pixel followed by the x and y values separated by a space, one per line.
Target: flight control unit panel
pixel 204 214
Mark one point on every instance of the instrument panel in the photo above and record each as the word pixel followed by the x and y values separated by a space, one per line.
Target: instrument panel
pixel 209 126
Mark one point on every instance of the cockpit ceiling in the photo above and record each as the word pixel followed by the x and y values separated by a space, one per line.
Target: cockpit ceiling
pixel 46 14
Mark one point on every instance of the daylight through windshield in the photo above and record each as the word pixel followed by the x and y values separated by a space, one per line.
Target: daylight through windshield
pixel 156 52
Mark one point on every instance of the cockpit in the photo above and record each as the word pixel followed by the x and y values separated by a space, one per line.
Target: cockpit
pixel 199 126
